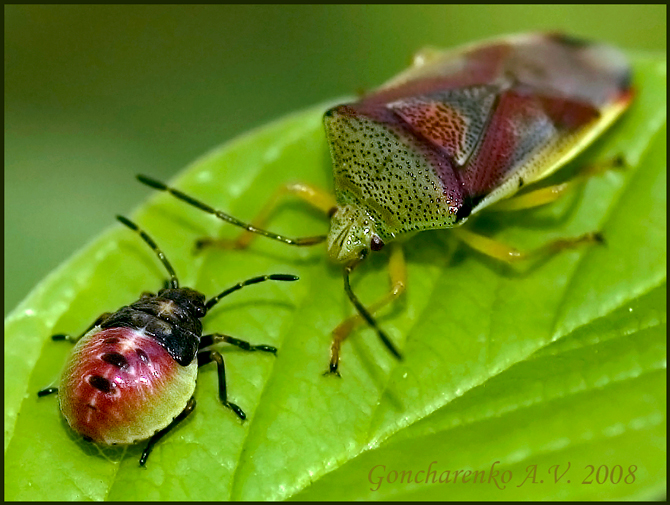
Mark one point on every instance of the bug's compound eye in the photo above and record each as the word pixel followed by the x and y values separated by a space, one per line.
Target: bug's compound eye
pixel 376 244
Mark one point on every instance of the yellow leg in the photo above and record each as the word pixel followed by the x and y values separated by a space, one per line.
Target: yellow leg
pixel 316 197
pixel 503 252
pixel 550 194
pixel 101 318
pixel 536 197
pixel 398 276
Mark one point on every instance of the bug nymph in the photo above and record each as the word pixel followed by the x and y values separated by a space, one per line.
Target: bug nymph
pixel 132 374
pixel 457 132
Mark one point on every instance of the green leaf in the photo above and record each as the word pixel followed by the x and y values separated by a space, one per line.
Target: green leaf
pixel 553 364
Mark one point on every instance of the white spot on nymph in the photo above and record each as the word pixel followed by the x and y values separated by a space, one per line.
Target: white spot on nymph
pixel 167 307
pixel 89 412
pixel 133 340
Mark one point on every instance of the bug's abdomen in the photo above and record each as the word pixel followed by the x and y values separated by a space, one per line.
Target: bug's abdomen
pixel 120 386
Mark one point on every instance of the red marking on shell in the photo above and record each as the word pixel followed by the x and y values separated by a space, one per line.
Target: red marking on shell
pixel 111 378
pixel 522 124
pixel 481 66
pixel 593 73
pixel 453 120
pixel 568 114
pixel 437 122
pixel 516 119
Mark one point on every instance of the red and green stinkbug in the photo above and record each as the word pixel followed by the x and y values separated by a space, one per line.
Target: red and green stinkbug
pixel 457 132
pixel 132 374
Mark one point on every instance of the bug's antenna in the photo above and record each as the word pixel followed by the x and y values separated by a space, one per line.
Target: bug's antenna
pixel 226 217
pixel 366 315
pixel 274 277
pixel 174 282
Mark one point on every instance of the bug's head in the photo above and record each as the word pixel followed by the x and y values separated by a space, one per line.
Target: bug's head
pixel 352 235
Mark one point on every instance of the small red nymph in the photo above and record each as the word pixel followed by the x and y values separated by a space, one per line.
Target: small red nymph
pixel 131 376
pixel 113 377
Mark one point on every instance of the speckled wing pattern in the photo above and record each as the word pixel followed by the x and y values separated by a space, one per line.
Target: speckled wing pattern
pixel 463 129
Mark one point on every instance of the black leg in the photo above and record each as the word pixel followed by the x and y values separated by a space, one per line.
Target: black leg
pixel 208 340
pixel 74 340
pixel 47 391
pixel 174 282
pixel 256 280
pixel 205 357
pixel 190 406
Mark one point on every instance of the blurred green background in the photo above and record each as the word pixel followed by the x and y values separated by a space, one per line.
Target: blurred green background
pixel 96 94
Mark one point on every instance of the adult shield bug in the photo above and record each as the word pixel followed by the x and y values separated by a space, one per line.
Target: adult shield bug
pixel 457 132
pixel 132 374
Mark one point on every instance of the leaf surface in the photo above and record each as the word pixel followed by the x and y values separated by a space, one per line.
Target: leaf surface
pixel 560 362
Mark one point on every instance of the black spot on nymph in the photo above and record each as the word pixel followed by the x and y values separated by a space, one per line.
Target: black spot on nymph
pixel 100 383
pixel 142 355
pixel 116 359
